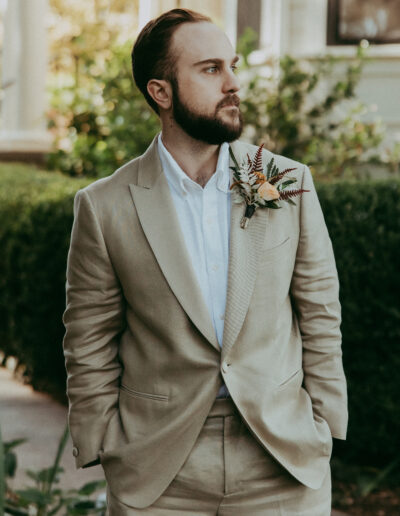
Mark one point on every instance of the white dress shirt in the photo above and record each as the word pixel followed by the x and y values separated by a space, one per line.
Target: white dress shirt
pixel 204 216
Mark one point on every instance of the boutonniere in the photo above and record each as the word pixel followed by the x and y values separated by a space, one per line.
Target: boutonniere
pixel 261 188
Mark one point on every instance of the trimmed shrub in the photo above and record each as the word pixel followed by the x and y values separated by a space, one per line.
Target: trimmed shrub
pixel 36 213
pixel 364 224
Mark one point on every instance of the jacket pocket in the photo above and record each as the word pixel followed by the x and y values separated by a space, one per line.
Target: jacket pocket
pixel 292 379
pixel 147 395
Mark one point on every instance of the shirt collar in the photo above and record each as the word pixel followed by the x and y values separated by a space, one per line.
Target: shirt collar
pixel 181 182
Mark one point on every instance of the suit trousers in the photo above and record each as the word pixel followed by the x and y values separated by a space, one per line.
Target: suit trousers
pixel 228 473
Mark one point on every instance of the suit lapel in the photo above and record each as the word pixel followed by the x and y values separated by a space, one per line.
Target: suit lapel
pixel 244 252
pixel 157 215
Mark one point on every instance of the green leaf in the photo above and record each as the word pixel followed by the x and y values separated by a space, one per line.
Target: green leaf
pixel 269 168
pixel 274 171
pixel 288 182
pixel 84 504
pixel 273 205
pixel 233 157
pixel 10 464
pixel 91 487
pixel 9 445
pixel 34 495
pixel 12 510
pixel 369 485
pixel 34 475
pixel 56 508
pixel 55 468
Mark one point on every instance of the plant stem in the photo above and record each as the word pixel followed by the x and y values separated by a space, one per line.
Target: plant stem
pixel 2 477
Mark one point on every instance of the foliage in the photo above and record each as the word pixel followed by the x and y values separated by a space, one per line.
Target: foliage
pixel 105 123
pixel 35 225
pixel 45 498
pixel 84 39
pixel 303 109
pixel 363 220
pixel 366 490
pixel 82 33
pixel 256 185
pixel 307 110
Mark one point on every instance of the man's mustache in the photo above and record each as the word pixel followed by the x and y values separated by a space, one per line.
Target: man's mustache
pixel 232 100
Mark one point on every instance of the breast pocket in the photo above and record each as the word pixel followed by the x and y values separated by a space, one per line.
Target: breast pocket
pixel 269 253
pixel 276 246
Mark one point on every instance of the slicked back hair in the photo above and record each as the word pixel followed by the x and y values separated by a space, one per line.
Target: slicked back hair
pixel 151 54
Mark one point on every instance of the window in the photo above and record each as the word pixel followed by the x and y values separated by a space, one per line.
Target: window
pixel 350 21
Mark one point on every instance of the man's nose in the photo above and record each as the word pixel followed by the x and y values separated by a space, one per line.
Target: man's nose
pixel 231 82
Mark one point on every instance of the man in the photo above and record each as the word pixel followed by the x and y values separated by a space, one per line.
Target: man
pixel 204 359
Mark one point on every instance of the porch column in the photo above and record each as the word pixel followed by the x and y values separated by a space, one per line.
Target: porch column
pixel 23 124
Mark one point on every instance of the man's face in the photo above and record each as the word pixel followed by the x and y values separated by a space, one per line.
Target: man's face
pixel 205 103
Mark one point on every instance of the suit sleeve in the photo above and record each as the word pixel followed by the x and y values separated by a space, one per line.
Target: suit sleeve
pixel 93 320
pixel 315 294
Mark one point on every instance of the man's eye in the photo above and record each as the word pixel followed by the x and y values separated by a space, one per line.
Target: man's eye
pixel 211 69
pixel 234 68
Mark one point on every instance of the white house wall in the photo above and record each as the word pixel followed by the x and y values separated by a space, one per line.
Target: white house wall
pixel 297 27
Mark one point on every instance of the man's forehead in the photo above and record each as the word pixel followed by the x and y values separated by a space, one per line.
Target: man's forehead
pixel 194 42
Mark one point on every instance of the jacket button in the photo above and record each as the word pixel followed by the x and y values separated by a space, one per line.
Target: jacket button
pixel 225 366
pixel 75 451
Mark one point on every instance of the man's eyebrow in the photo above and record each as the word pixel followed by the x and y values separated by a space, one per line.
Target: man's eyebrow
pixel 215 60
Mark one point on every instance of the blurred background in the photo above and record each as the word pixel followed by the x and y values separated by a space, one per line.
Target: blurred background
pixel 320 84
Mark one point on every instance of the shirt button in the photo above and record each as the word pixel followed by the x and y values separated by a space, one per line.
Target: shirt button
pixel 215 267
pixel 209 220
pixel 75 451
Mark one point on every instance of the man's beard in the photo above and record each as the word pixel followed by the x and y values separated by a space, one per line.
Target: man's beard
pixel 206 128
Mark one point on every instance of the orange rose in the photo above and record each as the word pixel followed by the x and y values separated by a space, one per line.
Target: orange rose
pixel 268 192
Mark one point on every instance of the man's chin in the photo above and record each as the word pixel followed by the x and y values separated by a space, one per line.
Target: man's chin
pixel 230 118
pixel 224 127
pixel 233 129
pixel 229 115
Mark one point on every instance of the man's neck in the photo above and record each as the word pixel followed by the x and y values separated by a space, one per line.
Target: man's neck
pixel 197 159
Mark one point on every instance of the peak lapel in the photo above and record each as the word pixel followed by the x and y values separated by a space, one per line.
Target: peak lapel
pixel 157 215
pixel 244 252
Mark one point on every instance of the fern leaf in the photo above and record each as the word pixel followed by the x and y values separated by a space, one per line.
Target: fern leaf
pixel 277 177
pixel 257 161
pixel 287 194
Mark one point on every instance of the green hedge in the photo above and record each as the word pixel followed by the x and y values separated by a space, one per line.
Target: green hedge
pixel 36 213
pixel 364 222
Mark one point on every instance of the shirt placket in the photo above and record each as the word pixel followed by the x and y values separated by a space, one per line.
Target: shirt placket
pixel 213 255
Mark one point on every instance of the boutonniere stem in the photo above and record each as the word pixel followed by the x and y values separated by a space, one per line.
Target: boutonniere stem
pixel 261 187
pixel 248 213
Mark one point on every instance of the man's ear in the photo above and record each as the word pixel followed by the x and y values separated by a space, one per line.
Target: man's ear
pixel 160 91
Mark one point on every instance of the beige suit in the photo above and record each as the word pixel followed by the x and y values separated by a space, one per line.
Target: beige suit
pixel 144 366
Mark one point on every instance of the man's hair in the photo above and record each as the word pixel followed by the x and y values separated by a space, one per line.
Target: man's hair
pixel 151 54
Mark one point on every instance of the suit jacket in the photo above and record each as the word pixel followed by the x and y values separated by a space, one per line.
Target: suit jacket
pixel 143 362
